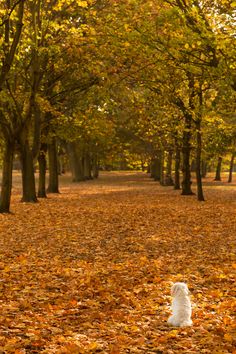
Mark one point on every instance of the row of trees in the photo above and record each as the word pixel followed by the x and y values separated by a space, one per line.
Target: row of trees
pixel 156 78
pixel 44 70
pixel 188 50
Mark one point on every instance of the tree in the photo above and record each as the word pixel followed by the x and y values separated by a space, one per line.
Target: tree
pixel 11 32
pixel 25 93
pixel 179 45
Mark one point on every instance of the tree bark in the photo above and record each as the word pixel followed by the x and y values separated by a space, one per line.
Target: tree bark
pixel 75 163
pixel 7 177
pixel 53 186
pixel 28 178
pixel 42 171
pixel 37 131
pixel 186 150
pixel 151 168
pixel 87 166
pixel 200 195
pixel 218 169
pixel 168 175
pixel 177 167
pixel 193 165
pixel 231 168
pixel 204 168
pixel 156 168
pixel 11 49
pixel 62 161
pixel 162 168
pixel 95 166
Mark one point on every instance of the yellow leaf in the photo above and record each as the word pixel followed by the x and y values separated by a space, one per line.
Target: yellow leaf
pixel 173 333
pixel 22 259
pixel 222 276
pixel 82 3
pixel 134 328
pixel 93 346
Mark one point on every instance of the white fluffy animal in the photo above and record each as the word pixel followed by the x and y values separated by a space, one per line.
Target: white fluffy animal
pixel 181 306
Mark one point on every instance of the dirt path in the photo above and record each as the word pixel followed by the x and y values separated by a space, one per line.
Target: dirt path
pixel 90 270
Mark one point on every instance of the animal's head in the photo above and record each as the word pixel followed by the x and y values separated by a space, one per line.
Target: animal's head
pixel 179 289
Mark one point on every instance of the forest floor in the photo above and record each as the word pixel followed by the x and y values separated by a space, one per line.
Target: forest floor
pixel 90 270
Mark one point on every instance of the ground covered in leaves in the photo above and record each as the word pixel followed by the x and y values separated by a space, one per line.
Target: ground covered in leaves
pixel 90 270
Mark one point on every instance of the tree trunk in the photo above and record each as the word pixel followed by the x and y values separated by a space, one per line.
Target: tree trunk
pixel 218 169
pixel 95 166
pixel 231 168
pixel 186 150
pixel 193 165
pixel 204 169
pixel 75 163
pixel 7 178
pixel 87 166
pixel 37 131
pixel 42 171
pixel 162 168
pixel 157 167
pixel 200 195
pixel 151 168
pixel 61 162
pixel 168 175
pixel 177 167
pixel 28 179
pixel 53 186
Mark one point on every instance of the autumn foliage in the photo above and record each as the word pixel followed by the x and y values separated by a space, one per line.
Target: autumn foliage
pixel 89 270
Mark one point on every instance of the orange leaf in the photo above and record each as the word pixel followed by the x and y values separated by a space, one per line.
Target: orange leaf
pixel 228 337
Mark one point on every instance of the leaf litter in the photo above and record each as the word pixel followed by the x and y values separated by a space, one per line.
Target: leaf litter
pixel 90 270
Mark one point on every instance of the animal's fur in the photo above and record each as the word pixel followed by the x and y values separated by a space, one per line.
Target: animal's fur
pixel 181 306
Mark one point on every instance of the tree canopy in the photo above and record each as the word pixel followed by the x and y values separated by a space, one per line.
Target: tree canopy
pixel 143 77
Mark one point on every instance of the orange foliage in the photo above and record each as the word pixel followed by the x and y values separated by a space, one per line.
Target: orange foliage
pixel 89 270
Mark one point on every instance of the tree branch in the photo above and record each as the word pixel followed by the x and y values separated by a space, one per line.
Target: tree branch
pixel 10 55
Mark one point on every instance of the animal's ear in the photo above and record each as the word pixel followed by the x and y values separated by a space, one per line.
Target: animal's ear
pixel 185 290
pixel 174 289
